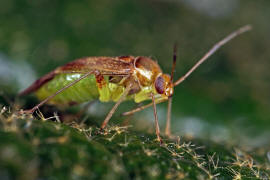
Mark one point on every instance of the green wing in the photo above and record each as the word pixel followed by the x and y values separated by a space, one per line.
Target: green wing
pixel 114 66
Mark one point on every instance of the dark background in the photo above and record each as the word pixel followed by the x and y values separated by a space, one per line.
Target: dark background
pixel 226 99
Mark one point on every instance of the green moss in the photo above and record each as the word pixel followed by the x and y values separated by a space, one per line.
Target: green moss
pixel 33 148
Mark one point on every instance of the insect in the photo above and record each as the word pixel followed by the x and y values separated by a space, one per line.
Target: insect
pixel 115 79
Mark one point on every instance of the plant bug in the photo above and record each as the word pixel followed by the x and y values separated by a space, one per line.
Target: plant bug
pixel 115 79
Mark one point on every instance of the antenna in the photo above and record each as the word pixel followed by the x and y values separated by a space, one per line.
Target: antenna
pixel 174 60
pixel 213 50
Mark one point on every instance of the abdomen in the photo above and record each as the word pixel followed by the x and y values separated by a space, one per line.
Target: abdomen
pixel 82 91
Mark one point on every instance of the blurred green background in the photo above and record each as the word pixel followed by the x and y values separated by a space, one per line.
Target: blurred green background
pixel 226 99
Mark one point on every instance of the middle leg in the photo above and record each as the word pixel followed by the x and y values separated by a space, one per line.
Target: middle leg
pixel 121 99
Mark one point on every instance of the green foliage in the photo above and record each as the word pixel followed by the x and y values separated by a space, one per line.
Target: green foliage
pixel 32 148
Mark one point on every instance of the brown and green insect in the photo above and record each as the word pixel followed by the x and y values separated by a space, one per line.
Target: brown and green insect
pixel 114 79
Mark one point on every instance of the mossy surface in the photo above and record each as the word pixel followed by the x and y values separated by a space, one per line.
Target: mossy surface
pixel 36 148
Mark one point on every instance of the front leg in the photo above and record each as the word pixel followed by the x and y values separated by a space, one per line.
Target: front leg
pixel 168 121
pixel 156 119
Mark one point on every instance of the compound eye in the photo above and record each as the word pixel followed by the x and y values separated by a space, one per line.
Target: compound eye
pixel 160 85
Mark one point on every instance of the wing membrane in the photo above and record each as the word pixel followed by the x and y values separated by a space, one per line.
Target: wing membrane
pixel 115 66
pixel 105 65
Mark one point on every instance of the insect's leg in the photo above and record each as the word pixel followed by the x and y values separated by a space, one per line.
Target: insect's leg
pixel 156 119
pixel 169 110
pixel 168 121
pixel 142 108
pixel 123 96
pixel 58 92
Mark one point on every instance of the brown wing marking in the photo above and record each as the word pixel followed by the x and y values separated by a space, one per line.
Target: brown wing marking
pixel 128 59
pixel 104 92
pixel 100 81
pixel 105 65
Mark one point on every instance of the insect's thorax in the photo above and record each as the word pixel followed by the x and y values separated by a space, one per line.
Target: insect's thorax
pixel 145 73
pixel 146 70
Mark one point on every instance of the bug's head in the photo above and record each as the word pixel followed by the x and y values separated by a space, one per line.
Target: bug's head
pixel 164 85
